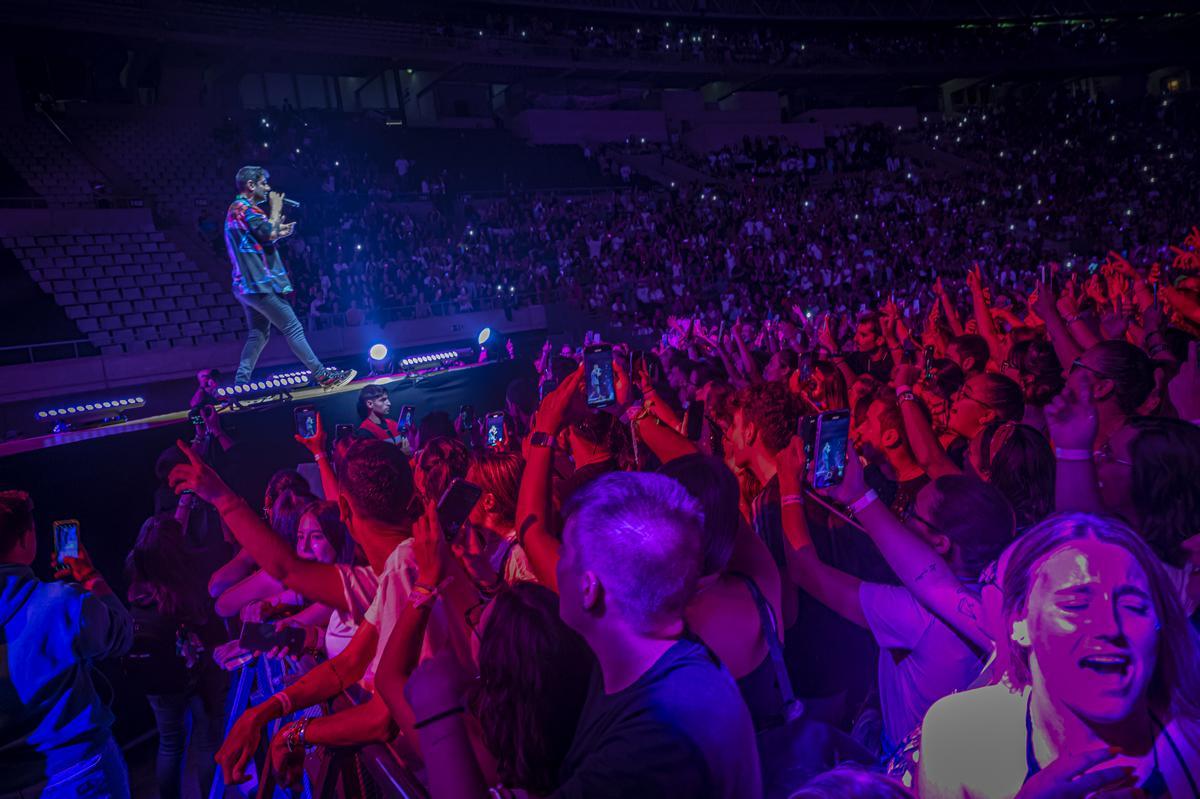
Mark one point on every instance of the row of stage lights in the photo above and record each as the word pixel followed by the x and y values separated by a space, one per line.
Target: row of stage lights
pixel 380 361
pixel 283 381
pixel 116 406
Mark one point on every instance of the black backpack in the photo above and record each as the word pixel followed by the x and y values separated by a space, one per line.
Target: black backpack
pixel 157 663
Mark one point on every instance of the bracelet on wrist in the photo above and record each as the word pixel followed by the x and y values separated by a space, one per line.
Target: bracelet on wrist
pixel 791 499
pixel 1064 454
pixel 860 504
pixel 285 703
pixel 445 714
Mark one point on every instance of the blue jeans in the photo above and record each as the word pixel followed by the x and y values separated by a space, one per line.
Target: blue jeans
pixel 101 776
pixel 262 311
pixel 207 705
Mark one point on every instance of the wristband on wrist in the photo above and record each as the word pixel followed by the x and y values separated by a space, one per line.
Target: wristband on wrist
pixel 905 396
pixel 285 702
pixel 1072 454
pixel 862 502
pixel 318 456
pixel 445 714
pixel 792 499
pixel 230 503
pixel 903 390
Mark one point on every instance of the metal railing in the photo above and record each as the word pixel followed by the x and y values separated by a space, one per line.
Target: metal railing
pixel 26 353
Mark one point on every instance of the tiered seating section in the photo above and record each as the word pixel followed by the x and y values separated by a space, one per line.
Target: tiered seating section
pixel 174 163
pixel 130 292
pixel 48 163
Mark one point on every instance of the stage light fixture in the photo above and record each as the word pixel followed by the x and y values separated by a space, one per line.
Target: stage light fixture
pixel 379 360
pixel 484 336
pixel 275 384
pixel 378 352
pixel 436 360
pixel 67 417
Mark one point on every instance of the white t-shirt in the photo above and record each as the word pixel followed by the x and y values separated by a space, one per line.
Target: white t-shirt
pixel 446 630
pixel 921 659
pixel 359 585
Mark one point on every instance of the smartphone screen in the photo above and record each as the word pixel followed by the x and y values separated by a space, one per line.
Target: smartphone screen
pixel 306 421
pixel 456 505
pixel 493 428
pixel 263 637
pixel 546 388
pixel 66 538
pixel 928 364
pixel 196 417
pixel 405 421
pixel 598 370
pixel 833 435
pixel 695 420
pixel 466 416
pixel 343 431
pixel 805 367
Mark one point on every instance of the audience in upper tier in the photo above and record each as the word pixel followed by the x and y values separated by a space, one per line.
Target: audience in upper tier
pixel 896 505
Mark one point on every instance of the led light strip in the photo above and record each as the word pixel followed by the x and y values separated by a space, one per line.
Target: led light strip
pixel 92 407
pixel 433 357
pixel 286 380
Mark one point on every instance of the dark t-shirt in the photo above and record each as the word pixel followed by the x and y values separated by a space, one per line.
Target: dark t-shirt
pixel 682 730
pixel 881 369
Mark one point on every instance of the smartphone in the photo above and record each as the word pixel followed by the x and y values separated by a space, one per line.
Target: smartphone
pixel 405 420
pixel 493 428
pixel 694 417
pixel 196 417
pixel 546 387
pixel 598 371
pixel 263 637
pixel 805 367
pixel 306 421
pixel 343 431
pixel 466 416
pixel 806 431
pixel 928 362
pixel 66 538
pixel 456 505
pixel 830 452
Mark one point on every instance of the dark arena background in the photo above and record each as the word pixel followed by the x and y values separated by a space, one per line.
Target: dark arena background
pixel 920 280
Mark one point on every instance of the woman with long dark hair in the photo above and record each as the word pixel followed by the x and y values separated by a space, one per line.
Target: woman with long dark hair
pixel 175 632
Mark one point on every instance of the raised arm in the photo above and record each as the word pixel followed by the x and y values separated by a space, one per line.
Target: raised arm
pixel 1073 423
pixel 920 568
pixel 318 447
pixel 984 323
pixel 832 587
pixel 319 582
pixel 918 431
pixel 534 505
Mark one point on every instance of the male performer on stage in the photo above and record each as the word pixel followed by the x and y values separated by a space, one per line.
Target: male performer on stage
pixel 260 281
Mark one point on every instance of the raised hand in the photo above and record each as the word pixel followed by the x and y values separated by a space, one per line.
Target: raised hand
pixel 1072 419
pixel 853 485
pixel 80 569
pixel 317 445
pixel 198 477
pixel 825 335
pixel 553 412
pixel 430 548
pixel 1069 777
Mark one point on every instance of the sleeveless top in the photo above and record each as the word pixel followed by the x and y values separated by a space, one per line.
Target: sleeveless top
pixel 766 690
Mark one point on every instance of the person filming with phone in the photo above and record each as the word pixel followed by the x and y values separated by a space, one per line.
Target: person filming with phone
pixel 54 730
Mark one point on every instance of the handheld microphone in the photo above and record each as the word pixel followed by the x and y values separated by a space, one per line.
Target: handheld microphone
pixel 288 201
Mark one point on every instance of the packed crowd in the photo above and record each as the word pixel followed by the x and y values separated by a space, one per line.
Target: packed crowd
pixel 853 555
pixel 1058 178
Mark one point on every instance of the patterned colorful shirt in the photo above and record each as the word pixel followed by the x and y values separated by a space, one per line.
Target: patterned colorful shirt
pixel 257 267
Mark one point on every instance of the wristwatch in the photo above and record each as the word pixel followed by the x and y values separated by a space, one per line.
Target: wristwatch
pixel 540 438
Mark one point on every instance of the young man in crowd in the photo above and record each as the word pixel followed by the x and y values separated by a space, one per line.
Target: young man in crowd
pixel 966 521
pixel 54 729
pixel 663 717
pixel 374 407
